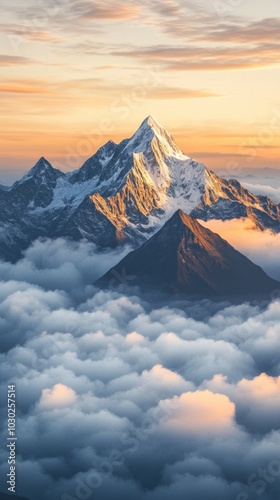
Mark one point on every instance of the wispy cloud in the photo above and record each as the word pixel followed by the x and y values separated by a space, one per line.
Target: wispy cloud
pixel 25 87
pixel 264 31
pixel 17 31
pixel 167 8
pixel 96 86
pixel 111 10
pixel 207 58
pixel 8 60
pixel 180 93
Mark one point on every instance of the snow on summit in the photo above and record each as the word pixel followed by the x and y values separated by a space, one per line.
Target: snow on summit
pixel 124 193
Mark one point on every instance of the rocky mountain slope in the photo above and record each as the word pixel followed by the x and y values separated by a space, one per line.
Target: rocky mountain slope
pixel 185 257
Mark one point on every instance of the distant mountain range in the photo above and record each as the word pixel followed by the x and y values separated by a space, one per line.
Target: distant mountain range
pixel 124 193
pixel 184 257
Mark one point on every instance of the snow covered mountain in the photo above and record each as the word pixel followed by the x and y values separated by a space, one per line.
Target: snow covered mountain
pixel 125 192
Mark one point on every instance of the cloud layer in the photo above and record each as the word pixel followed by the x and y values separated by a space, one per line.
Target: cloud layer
pixel 262 247
pixel 122 396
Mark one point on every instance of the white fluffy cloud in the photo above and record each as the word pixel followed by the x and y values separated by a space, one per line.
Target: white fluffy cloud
pixel 58 396
pixel 270 191
pixel 62 265
pixel 202 413
pixel 122 397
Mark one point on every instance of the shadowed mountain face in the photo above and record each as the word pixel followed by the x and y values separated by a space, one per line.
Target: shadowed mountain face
pixel 123 193
pixel 187 258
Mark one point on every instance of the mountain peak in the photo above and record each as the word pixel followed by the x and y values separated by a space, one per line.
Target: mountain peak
pixel 42 171
pixel 151 122
pixel 185 257
pixel 186 220
pixel 41 165
pixel 105 153
pixel 151 131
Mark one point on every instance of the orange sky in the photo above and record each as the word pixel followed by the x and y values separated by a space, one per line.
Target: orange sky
pixel 74 74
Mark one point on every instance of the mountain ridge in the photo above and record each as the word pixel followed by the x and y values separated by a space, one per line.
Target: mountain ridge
pixel 131 188
pixel 184 257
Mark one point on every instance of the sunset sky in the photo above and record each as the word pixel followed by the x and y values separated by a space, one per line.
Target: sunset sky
pixel 77 73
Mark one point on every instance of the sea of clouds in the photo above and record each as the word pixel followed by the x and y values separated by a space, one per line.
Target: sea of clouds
pixel 123 396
